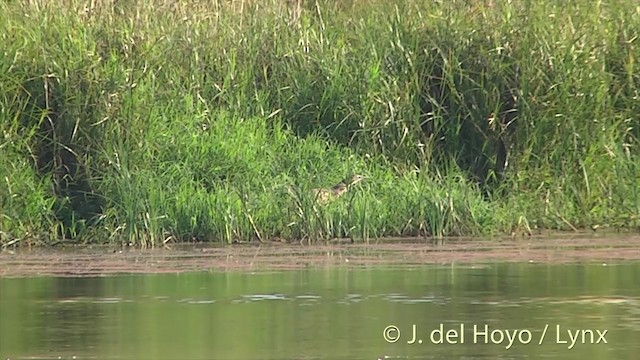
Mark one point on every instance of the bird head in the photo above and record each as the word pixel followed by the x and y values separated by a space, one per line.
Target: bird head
pixel 353 179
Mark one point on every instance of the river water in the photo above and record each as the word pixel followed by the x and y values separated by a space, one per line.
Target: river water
pixel 483 311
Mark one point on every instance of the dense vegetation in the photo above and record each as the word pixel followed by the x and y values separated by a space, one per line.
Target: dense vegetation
pixel 150 121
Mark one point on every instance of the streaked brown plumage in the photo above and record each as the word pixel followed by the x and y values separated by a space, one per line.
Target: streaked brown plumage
pixel 323 196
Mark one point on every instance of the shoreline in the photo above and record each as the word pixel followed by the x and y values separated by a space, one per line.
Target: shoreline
pixel 92 261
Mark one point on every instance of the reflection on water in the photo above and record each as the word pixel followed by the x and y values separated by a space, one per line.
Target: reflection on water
pixel 500 311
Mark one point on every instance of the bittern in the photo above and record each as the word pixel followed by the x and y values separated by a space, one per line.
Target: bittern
pixel 323 196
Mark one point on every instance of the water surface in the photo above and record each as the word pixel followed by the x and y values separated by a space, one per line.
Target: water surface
pixel 332 313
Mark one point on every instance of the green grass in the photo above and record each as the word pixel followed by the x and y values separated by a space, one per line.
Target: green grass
pixel 151 121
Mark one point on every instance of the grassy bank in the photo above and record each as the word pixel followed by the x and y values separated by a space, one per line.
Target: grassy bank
pixel 149 121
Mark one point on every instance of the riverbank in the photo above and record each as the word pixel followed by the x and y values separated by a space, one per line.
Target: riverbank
pixel 156 123
pixel 104 261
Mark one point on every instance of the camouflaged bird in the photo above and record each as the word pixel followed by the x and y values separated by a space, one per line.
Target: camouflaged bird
pixel 324 195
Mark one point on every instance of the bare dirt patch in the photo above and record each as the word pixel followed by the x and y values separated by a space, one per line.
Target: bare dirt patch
pixel 100 261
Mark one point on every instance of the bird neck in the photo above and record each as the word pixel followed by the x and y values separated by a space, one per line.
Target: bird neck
pixel 339 186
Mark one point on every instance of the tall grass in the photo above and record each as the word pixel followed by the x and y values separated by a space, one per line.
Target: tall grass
pixel 153 121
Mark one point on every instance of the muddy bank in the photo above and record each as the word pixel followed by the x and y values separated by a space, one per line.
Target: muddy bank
pixel 99 261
